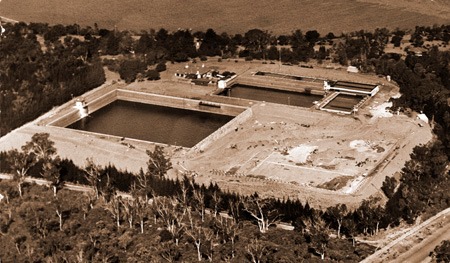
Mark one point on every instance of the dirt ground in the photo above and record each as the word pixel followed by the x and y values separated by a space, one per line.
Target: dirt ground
pixel 280 151
pixel 233 16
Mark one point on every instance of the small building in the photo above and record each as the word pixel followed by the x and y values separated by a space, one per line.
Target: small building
pixel 352 69
pixel 82 107
pixel 423 117
pixel 222 84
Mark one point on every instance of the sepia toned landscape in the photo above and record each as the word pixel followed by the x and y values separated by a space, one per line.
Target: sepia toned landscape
pixel 165 131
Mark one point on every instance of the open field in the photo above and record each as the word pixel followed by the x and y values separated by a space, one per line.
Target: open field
pixel 300 154
pixel 234 16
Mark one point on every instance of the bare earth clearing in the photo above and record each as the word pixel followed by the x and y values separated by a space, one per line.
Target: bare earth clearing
pixel 234 16
pixel 279 151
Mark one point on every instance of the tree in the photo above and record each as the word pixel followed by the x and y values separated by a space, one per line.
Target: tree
pixel 114 206
pixel 312 36
pixel 141 186
pixel 318 232
pixel 228 231
pixel 389 186
pixel 161 66
pixel 216 200
pixel 442 252
pixel 51 172
pixel 88 204
pixel 256 40
pixel 141 211
pixel 93 175
pixel 158 164
pixel 129 69
pixel 200 235
pixel 144 43
pixel 369 215
pixel 152 74
pixel 256 250
pixel 262 211
pixel 41 146
pixel 171 215
pixel 350 229
pixel 338 212
pixel 129 208
pixel 59 212
pixel 199 202
pixel 170 252
pixel 20 162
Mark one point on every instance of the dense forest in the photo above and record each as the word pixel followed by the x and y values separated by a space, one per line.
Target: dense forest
pixel 43 66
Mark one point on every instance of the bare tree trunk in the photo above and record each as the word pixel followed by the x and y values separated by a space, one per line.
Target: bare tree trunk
pixel 60 219
pixel 232 247
pixel 19 185
pixel 142 226
pixel 18 248
pixel 199 254
pixel 339 229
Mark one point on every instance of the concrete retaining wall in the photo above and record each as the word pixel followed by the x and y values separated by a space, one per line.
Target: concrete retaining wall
pixel 73 115
pixel 67 119
pixel 175 102
pixel 231 125
pixel 101 102
pixel 106 98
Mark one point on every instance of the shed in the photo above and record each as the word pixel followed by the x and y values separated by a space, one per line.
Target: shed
pixel 352 69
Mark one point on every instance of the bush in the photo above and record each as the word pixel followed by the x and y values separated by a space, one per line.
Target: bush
pixel 203 58
pixel 130 68
pixel 161 67
pixel 152 74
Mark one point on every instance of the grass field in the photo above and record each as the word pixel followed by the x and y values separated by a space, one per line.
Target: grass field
pixel 233 16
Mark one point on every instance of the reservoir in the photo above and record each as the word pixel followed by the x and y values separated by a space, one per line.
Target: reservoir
pixel 152 123
pixel 271 95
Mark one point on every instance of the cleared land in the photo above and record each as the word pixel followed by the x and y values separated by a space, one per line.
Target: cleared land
pixel 278 151
pixel 234 16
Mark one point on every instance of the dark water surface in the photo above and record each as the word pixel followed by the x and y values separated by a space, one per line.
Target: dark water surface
pixel 271 95
pixel 152 123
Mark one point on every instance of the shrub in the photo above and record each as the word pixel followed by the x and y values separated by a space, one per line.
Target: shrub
pixel 152 74
pixel 161 67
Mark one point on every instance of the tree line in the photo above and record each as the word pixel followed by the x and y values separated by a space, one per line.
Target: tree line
pixel 180 219
pixel 176 204
pixel 43 65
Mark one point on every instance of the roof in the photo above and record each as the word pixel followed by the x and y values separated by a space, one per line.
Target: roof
pixel 354 86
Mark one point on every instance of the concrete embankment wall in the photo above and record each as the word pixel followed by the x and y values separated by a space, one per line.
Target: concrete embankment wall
pixel 180 103
pixel 101 102
pixel 73 115
pixel 67 119
pixel 95 103
pixel 230 126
